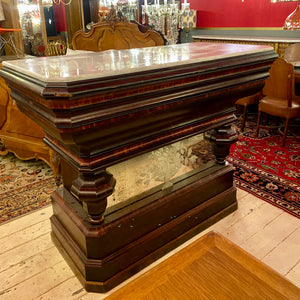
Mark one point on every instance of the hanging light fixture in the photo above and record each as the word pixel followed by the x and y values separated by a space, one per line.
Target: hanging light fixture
pixel 292 22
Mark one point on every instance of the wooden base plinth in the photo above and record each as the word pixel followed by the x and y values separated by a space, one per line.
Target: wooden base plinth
pixel 133 237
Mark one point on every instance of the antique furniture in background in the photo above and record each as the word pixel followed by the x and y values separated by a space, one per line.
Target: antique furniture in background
pixel 116 33
pixel 245 102
pixel 279 44
pixel 101 109
pixel 23 137
pixel 279 95
pixel 20 135
pixel 292 55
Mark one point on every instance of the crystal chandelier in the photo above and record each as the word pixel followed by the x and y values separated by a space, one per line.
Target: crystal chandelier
pixel 164 17
pixel 128 8
pixel 292 22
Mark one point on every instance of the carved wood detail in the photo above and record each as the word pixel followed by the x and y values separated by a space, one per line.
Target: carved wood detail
pixel 222 138
pixel 22 136
pixel 116 33
pixel 92 190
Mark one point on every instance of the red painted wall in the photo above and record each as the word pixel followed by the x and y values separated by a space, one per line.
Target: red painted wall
pixel 235 13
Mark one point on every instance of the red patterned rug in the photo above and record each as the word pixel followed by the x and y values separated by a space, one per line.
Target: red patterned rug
pixel 24 186
pixel 267 170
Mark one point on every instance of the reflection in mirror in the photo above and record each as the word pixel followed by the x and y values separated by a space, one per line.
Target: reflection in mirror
pixel 159 171
pixel 48 26
pixel 164 17
pixel 128 8
pixel 43 25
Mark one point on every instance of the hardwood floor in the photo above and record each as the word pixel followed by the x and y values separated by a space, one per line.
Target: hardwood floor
pixel 32 268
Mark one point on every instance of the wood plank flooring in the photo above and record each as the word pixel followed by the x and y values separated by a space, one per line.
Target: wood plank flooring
pixel 32 268
pixel 211 268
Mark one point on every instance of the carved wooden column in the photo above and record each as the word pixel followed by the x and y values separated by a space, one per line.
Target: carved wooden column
pixel 222 138
pixel 92 190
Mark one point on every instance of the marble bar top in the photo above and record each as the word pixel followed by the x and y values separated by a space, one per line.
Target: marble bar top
pixel 247 38
pixel 87 66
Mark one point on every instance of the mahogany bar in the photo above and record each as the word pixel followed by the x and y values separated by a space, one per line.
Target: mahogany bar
pixel 100 110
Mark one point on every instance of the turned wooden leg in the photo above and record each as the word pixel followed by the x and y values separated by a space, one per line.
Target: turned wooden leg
pixel 89 184
pixel 244 118
pixel 257 124
pixel 222 138
pixel 92 190
pixel 285 132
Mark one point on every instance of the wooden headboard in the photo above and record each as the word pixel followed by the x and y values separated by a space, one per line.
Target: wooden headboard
pixel 116 33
